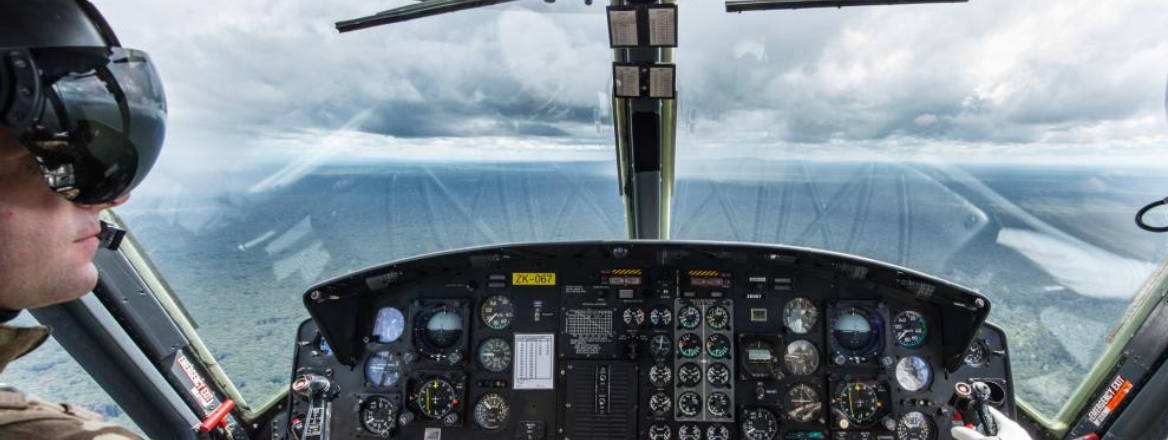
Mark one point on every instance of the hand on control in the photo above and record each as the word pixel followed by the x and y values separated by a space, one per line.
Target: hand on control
pixel 1007 430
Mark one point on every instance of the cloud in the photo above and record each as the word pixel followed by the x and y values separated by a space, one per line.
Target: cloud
pixel 1027 74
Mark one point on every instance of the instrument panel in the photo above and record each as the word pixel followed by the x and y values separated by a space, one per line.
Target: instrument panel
pixel 643 340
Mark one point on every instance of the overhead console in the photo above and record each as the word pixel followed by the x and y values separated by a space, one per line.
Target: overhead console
pixel 643 340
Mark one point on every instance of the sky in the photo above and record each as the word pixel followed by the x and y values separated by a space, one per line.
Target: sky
pixel 988 80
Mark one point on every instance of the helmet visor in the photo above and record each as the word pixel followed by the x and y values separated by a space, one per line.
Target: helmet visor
pixel 99 122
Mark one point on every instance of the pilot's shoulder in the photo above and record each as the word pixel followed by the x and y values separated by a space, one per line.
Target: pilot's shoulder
pixel 27 417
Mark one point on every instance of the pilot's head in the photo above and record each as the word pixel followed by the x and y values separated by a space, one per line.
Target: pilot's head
pixel 81 123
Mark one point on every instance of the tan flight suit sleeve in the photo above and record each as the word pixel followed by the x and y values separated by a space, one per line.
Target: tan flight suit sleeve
pixel 24 417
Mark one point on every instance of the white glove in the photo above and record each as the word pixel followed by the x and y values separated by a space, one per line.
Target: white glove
pixel 1007 430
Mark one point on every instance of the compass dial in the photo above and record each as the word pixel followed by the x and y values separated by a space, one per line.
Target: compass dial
pixel 435 398
pixel 860 402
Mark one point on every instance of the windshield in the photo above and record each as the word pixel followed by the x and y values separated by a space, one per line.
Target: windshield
pixel 1001 144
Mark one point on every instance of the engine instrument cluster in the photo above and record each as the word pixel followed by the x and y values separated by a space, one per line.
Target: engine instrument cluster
pixel 643 340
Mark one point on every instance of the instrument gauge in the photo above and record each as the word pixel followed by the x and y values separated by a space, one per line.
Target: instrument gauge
pixel 859 402
pixel 497 312
pixel 495 355
pixel 910 329
pixel 717 432
pixel 660 404
pixel 435 398
pixel 801 358
pixel 718 346
pixel 717 317
pixel 689 404
pixel 660 346
pixel 689 432
pixel 759 424
pixel 442 329
pixel 383 370
pixel 913 373
pixel 800 315
pixel 976 357
pixel 660 375
pixel 759 359
pixel 660 432
pixel 492 411
pixel 389 324
pixel 689 317
pixel 689 345
pixel 914 426
pixel 660 316
pixel 689 374
pixel 378 416
pixel 803 403
pixel 718 405
pixel 717 375
pixel 633 317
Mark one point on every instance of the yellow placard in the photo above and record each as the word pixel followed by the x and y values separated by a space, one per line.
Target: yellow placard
pixel 533 279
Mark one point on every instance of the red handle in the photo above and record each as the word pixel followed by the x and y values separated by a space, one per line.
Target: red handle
pixel 216 417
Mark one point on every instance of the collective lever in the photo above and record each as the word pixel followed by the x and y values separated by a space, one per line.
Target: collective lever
pixel 319 392
pixel 981 409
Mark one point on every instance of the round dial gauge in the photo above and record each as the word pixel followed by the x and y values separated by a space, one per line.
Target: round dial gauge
pixel 689 404
pixel 633 317
pixel 689 374
pixel 803 403
pixel 689 345
pixel 435 398
pixel 660 432
pixel 799 315
pixel 660 346
pixel 718 432
pixel 443 329
pixel 718 346
pixel 495 355
pixel 388 325
pixel 718 405
pixel 660 403
pixel 378 416
pixel 497 312
pixel 660 375
pixel 689 432
pixel 976 356
pixel 759 424
pixel 717 317
pixel 853 329
pixel 689 317
pixel 383 370
pixel 910 329
pixel 661 316
pixel 913 373
pixel 859 402
pixel 914 426
pixel 491 411
pixel 717 375
pixel 801 358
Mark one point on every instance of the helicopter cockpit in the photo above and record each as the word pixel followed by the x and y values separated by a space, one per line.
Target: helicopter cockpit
pixel 645 219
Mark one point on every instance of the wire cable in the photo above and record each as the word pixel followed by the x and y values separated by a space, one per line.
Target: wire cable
pixel 1144 211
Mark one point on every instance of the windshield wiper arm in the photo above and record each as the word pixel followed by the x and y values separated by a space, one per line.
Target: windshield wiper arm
pixel 763 5
pixel 410 12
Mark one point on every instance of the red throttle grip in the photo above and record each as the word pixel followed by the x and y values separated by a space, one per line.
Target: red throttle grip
pixel 216 417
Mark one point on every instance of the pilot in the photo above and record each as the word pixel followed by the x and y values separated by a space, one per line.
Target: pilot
pixel 81 123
